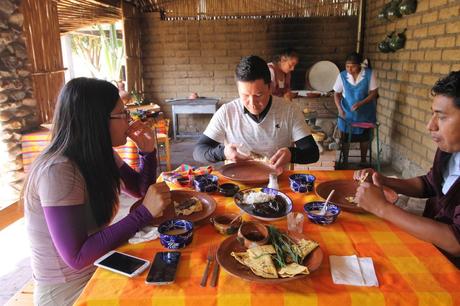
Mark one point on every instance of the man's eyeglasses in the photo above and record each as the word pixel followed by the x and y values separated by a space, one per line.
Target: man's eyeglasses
pixel 124 115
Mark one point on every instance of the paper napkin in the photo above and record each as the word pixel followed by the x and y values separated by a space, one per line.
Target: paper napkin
pixel 146 234
pixel 353 270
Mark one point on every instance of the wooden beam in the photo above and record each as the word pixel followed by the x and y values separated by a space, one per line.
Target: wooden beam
pixel 10 214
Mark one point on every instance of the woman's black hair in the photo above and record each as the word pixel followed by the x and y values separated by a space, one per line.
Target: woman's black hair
pixel 252 68
pixel 354 58
pixel 81 133
pixel 449 86
pixel 288 52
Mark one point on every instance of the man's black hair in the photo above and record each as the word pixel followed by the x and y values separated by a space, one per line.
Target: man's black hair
pixel 252 68
pixel 448 86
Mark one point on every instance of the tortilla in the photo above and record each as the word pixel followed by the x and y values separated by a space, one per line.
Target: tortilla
pixel 259 157
pixel 292 269
pixel 188 206
pixel 259 260
pixel 261 250
pixel 306 247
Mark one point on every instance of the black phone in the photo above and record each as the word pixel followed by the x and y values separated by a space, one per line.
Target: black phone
pixel 163 269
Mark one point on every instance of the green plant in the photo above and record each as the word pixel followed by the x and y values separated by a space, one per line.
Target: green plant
pixel 101 49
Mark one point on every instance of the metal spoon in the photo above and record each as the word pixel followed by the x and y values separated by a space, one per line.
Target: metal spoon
pixel 324 209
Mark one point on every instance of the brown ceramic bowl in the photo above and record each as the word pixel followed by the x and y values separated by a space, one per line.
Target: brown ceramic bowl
pixel 252 234
pixel 222 223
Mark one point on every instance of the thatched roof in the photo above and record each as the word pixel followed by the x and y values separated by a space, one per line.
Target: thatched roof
pixel 223 9
pixel 75 14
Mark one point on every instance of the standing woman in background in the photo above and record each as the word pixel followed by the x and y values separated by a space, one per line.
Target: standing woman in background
pixel 71 194
pixel 355 98
pixel 280 72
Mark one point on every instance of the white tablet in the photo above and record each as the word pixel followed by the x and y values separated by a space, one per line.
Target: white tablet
pixel 122 263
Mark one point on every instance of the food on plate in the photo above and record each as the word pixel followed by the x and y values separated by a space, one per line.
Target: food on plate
pixel 265 203
pixel 188 206
pixel 281 258
pixel 259 157
pixel 351 200
pixel 255 197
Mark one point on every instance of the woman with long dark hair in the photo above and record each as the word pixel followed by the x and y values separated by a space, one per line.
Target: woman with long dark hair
pixel 71 194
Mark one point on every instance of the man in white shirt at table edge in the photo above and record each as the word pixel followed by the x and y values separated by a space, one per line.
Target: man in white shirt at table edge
pixel 257 124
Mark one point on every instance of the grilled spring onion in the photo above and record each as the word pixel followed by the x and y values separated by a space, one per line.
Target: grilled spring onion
pixel 283 245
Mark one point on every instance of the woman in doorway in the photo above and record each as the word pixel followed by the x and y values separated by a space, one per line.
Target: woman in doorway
pixel 71 194
pixel 280 72
pixel 355 97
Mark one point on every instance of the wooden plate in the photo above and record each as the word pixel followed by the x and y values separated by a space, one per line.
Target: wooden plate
pixel 347 188
pixel 209 205
pixel 247 172
pixel 247 208
pixel 228 263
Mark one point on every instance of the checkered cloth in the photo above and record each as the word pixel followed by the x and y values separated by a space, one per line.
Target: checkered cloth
pixel 410 271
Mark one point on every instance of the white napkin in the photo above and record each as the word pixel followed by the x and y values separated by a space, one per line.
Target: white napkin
pixel 352 270
pixel 146 234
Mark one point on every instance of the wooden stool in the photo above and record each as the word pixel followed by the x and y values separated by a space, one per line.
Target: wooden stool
pixel 164 149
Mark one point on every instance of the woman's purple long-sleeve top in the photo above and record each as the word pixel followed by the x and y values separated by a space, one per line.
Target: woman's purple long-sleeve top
pixel 67 224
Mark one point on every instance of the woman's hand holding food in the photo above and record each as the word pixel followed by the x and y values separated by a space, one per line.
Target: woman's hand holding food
pixel 142 135
pixel 231 153
pixel 157 198
pixel 371 198
pixel 281 158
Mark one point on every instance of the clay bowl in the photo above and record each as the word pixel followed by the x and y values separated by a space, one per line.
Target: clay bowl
pixel 252 234
pixel 224 225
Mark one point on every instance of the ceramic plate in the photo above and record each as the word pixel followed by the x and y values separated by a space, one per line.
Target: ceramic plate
pixel 249 209
pixel 228 263
pixel 247 172
pixel 347 188
pixel 209 205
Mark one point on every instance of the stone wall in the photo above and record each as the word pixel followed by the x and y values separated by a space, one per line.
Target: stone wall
pixel 17 108
pixel 180 57
pixel 406 77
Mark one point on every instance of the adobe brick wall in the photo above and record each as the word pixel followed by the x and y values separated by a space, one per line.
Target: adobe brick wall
pixel 406 77
pixel 180 57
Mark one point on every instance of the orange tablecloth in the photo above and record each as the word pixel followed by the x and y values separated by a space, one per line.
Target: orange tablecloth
pixel 410 271
pixel 33 143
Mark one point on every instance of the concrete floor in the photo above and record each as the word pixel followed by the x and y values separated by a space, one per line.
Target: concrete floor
pixel 15 269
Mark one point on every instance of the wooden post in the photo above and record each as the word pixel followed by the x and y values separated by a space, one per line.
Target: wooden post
pixel 132 42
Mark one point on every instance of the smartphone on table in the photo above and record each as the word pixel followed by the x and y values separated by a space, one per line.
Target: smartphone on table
pixel 122 263
pixel 163 269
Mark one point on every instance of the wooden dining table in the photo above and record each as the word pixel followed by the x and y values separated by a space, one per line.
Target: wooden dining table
pixel 409 271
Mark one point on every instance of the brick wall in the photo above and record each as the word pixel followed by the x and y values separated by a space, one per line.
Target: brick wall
pixel 406 76
pixel 180 57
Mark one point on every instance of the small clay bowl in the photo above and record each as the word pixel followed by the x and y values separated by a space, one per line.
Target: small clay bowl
pixel 222 223
pixel 252 234
pixel 228 189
